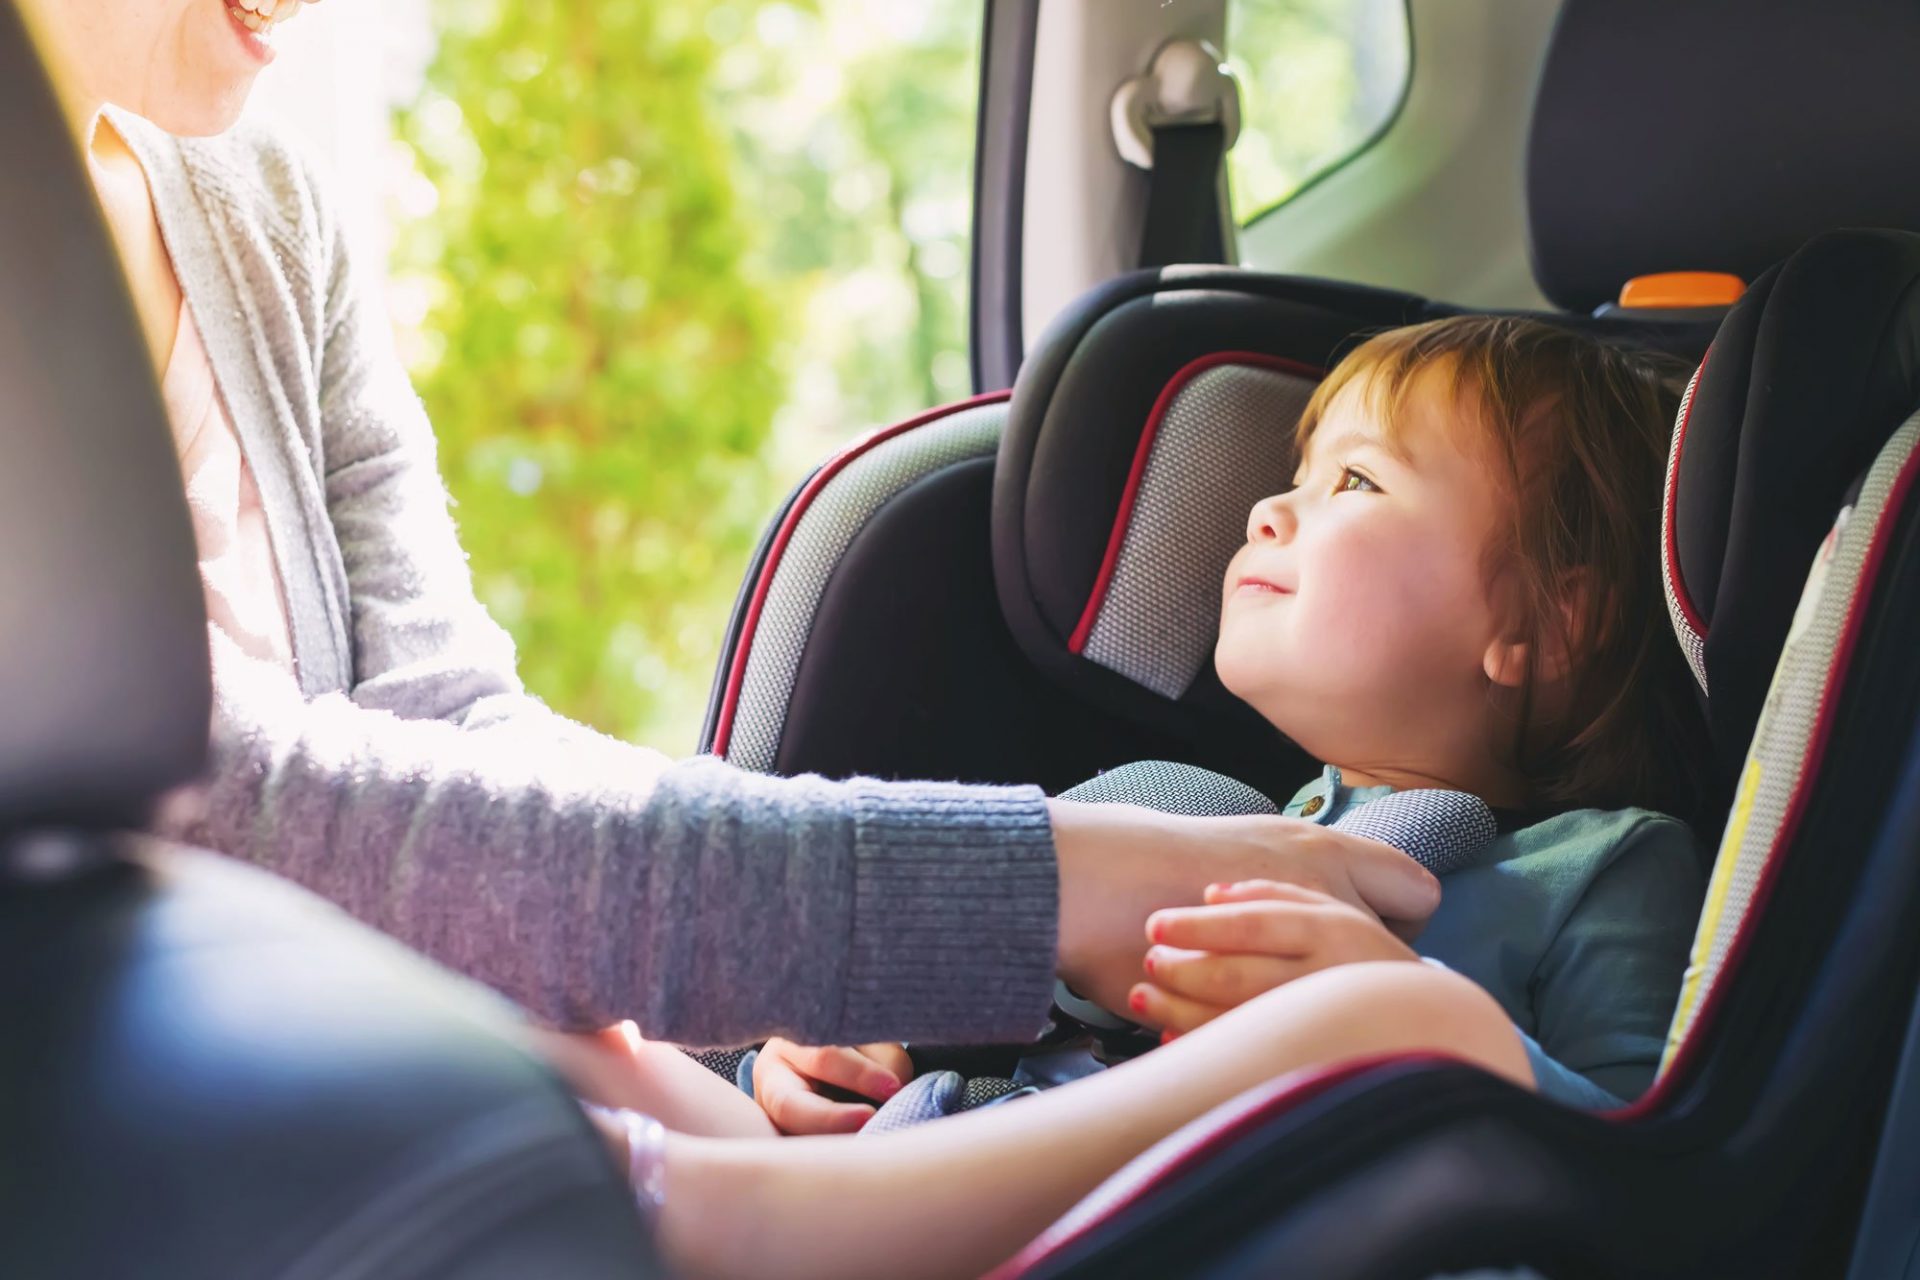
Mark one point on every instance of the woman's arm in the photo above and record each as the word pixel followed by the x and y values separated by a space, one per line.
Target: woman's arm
pixel 710 905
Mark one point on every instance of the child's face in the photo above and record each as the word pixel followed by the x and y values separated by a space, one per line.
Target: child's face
pixel 1357 618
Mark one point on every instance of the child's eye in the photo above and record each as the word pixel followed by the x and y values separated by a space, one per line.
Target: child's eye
pixel 1352 481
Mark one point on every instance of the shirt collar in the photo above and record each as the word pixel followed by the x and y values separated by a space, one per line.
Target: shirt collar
pixel 1327 797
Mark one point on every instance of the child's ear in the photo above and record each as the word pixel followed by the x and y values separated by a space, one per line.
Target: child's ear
pixel 1510 660
pixel 1506 662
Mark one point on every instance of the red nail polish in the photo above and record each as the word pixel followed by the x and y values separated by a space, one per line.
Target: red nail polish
pixel 1149 965
pixel 1156 930
pixel 1169 1036
pixel 1137 1001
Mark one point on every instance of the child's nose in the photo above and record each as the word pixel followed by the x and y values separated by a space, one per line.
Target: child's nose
pixel 1270 521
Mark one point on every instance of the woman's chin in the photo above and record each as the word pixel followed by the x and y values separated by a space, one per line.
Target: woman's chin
pixel 205 115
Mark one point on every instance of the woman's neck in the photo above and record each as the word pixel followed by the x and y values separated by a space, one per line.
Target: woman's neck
pixel 127 202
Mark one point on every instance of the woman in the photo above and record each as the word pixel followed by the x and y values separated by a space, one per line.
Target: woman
pixel 373 742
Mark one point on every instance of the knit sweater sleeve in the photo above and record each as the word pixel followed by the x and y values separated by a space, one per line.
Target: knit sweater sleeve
pixel 587 878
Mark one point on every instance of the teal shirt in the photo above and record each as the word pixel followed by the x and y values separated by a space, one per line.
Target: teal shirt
pixel 1579 925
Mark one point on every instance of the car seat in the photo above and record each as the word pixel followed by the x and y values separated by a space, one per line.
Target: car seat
pixel 204 1072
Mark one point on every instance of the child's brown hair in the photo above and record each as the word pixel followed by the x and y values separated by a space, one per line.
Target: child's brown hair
pixel 1579 431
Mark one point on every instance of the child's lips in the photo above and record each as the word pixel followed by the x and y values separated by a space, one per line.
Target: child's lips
pixel 1252 586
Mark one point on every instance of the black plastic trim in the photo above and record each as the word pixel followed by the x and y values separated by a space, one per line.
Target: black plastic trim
pixel 998 339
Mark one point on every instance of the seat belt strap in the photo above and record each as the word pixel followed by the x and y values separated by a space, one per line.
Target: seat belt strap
pixel 1185 218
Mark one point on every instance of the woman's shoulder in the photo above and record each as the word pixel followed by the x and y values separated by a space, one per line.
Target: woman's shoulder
pixel 253 178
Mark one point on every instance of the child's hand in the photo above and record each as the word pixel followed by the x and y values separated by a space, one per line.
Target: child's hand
pixel 788 1078
pixel 1249 938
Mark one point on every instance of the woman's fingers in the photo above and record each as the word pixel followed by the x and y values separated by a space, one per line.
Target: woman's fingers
pixel 891 1057
pixel 790 1102
pixel 1155 1006
pixel 845 1068
pixel 1217 978
pixel 1393 886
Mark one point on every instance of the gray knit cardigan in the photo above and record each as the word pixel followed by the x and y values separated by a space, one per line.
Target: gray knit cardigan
pixel 411 779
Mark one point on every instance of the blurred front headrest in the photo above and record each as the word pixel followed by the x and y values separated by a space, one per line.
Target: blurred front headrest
pixel 1716 136
pixel 104 698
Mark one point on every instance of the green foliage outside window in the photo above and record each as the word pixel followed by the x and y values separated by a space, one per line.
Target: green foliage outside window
pixel 664 257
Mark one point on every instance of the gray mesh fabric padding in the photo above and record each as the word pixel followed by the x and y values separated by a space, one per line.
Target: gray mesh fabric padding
pixel 1225 443
pixel 1692 643
pixel 1783 741
pixel 936 1094
pixel 1172 788
pixel 1441 830
pixel 828 526
pixel 724 1063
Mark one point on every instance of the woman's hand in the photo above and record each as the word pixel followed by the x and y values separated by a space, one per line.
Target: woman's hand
pixel 1249 939
pixel 788 1077
pixel 1119 864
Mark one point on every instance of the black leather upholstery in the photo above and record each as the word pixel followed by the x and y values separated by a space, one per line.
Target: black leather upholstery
pixel 208 1073
pixel 203 1072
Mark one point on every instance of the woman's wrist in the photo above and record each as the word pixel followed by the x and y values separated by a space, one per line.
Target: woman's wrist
pixel 1105 896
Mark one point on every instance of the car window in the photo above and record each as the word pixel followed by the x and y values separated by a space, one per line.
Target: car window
pixel 1319 80
pixel 649 264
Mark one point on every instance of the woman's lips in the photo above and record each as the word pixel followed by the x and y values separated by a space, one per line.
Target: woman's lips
pixel 257 49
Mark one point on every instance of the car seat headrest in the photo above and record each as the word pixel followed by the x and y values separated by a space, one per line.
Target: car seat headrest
pixel 1765 454
pixel 1144 426
pixel 104 699
pixel 1715 137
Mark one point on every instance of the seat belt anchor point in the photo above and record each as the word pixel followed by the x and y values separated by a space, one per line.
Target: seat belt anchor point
pixel 1187 82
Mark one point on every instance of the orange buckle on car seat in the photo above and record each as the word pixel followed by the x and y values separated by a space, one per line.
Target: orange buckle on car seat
pixel 1671 289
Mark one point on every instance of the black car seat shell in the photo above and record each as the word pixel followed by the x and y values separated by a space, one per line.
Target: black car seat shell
pixel 1804 969
pixel 204 1072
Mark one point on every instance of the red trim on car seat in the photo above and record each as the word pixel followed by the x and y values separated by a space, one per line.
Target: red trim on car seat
pixel 1189 1147
pixel 737 674
pixel 1078 641
pixel 1651 1101
pixel 1672 514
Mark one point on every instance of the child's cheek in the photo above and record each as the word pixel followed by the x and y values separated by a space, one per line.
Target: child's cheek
pixel 1377 605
